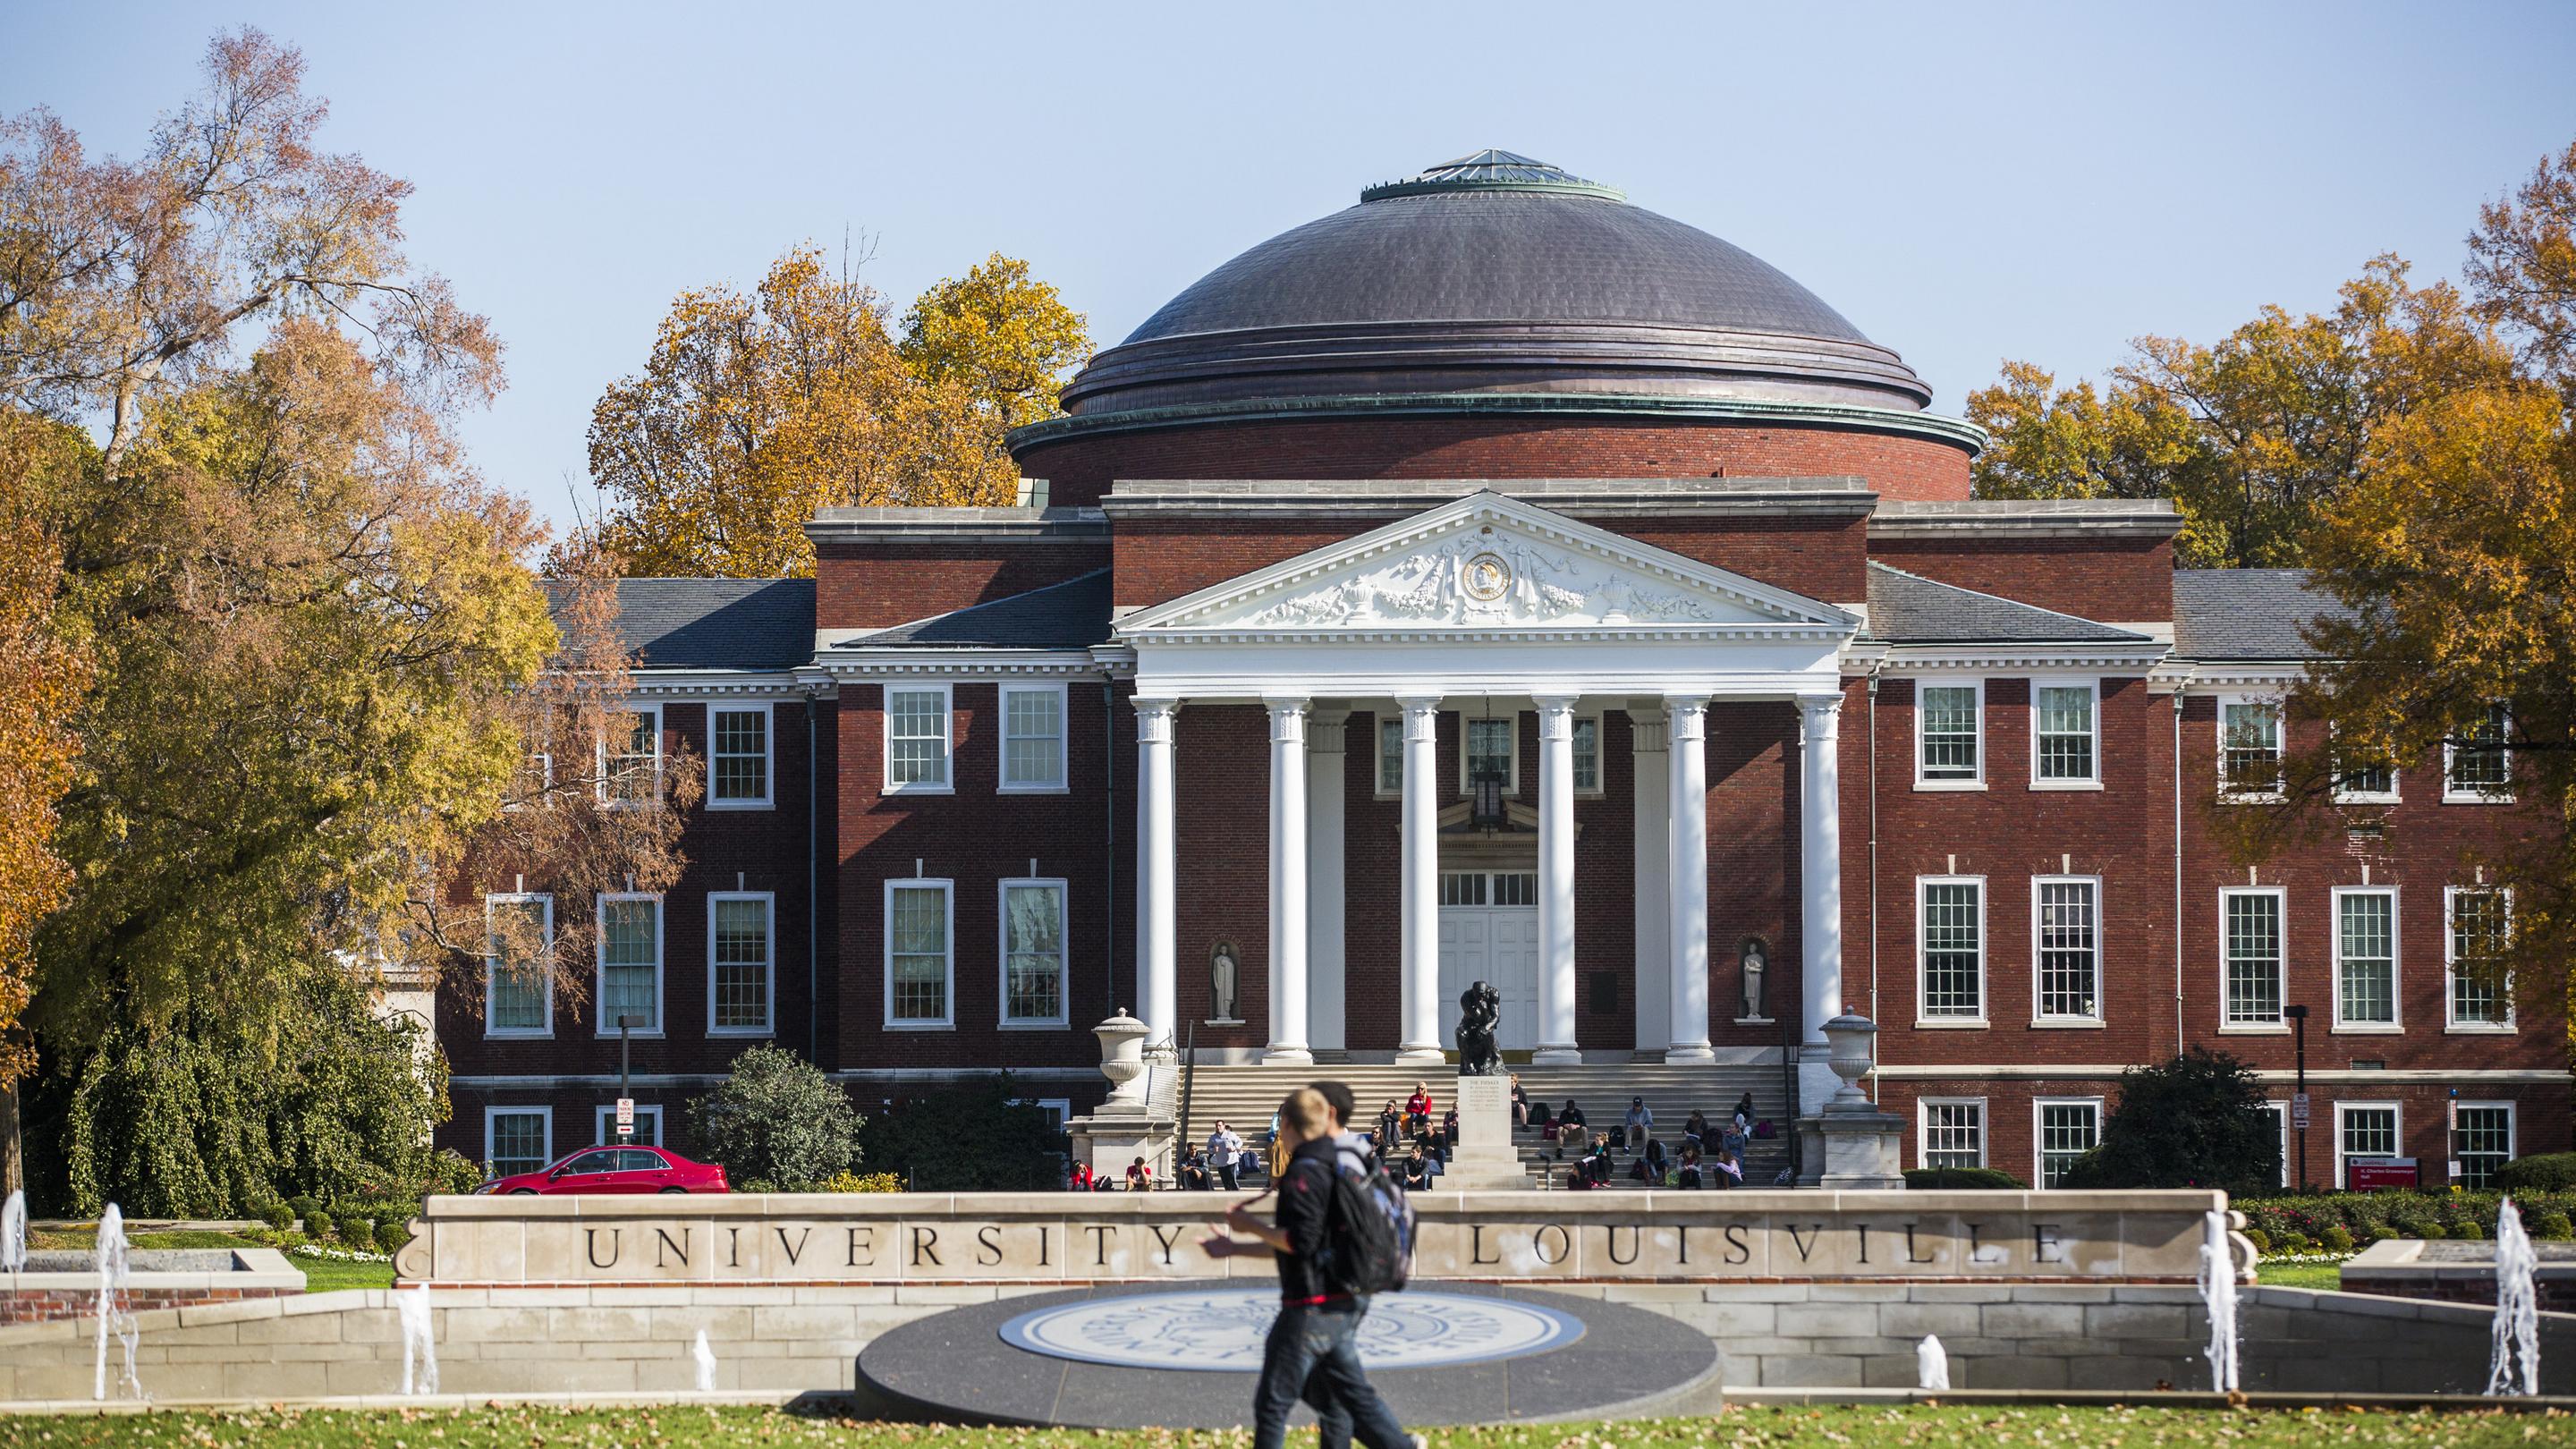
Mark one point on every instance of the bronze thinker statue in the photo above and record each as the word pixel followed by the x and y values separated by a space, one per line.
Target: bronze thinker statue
pixel 1480 1013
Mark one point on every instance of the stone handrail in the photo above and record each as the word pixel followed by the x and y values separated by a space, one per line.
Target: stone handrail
pixel 868 1238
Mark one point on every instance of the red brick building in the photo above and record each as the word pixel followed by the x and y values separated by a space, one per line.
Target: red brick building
pixel 1495 580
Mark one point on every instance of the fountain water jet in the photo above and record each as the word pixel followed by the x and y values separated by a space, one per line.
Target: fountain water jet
pixel 13 1234
pixel 1932 1365
pixel 114 1313
pixel 2517 1317
pixel 2218 1291
pixel 705 1358
pixel 420 1353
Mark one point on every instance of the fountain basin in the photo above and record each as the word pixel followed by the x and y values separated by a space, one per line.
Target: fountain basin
pixel 63 1282
pixel 2457 1270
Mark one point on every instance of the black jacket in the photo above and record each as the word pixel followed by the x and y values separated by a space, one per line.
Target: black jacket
pixel 1305 1215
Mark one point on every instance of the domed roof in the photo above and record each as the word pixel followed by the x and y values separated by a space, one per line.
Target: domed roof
pixel 1494 273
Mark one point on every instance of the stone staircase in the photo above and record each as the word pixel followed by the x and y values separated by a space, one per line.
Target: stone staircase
pixel 1245 1096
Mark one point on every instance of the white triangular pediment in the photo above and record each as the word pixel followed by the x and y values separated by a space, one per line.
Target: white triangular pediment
pixel 1484 562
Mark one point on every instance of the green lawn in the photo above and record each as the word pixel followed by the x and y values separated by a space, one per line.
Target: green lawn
pixel 1845 1426
pixel 2299 1275
pixel 320 1275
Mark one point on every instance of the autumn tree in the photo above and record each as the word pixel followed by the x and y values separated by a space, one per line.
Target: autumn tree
pixel 755 410
pixel 321 673
pixel 2249 437
pixel 41 680
pixel 2522 268
pixel 2451 551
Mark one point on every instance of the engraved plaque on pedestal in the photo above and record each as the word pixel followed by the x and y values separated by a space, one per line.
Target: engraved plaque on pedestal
pixel 1485 1159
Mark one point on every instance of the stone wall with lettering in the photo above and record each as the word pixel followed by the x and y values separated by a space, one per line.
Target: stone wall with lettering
pixel 2132 1237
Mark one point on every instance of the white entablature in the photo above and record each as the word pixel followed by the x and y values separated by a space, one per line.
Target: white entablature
pixel 1495 592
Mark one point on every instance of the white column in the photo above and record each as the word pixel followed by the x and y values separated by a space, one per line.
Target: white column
pixel 1287 882
pixel 1556 880
pixel 1686 726
pixel 1418 1031
pixel 1649 762
pixel 1156 993
pixel 1325 961
pixel 1821 869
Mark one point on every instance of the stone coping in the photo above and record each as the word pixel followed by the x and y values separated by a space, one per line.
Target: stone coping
pixel 2144 1399
pixel 1064 1238
pixel 253 1270
pixel 2418 1258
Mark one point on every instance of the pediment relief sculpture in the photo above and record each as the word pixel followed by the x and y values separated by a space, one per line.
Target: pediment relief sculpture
pixel 1486 580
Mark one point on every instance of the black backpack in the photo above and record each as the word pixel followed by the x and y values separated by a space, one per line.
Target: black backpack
pixel 1368 1240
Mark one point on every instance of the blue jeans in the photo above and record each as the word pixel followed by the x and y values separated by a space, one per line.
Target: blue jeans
pixel 1313 1353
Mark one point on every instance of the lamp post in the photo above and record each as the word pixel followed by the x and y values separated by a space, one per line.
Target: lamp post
pixel 625 1093
pixel 2298 1016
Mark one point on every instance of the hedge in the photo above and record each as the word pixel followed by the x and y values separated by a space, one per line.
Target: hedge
pixel 1956 1179
pixel 2549 1172
pixel 2368 1216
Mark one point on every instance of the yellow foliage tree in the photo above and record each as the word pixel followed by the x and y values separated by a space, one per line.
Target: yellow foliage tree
pixel 754 411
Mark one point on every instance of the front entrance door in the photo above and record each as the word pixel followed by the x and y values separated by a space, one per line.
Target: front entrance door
pixel 1489 932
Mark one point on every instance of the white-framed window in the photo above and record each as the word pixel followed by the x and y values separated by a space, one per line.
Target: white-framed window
pixel 738 756
pixel 518 965
pixel 1587 754
pixel 1489 744
pixel 2482 1139
pixel 2066 948
pixel 630 962
pixel 2281 1122
pixel 1950 946
pixel 921 954
pixel 742 963
pixel 2477 768
pixel 648 1125
pixel 2249 748
pixel 2477 924
pixel 917 740
pixel 2362 782
pixel 2062 1130
pixel 517 1139
pixel 2365 952
pixel 1033 739
pixel 1390 754
pixel 2065 734
pixel 630 757
pixel 1949 735
pixel 2251 963
pixel 1033 953
pixel 1950 1131
pixel 2366 1130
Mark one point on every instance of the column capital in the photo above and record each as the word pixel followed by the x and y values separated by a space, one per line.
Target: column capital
pixel 1555 716
pixel 1421 716
pixel 1287 719
pixel 1685 717
pixel 1154 718
pixel 1821 714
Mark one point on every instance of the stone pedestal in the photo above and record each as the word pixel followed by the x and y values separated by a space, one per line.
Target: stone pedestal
pixel 1485 1159
pixel 1848 1145
pixel 1110 1141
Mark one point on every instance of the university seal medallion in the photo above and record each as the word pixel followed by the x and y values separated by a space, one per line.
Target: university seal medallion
pixel 1219 1330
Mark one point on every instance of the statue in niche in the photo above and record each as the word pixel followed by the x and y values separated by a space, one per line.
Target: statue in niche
pixel 1754 961
pixel 1222 971
pixel 1480 1019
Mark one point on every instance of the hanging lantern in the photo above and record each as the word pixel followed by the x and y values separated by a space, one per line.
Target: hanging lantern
pixel 1486 813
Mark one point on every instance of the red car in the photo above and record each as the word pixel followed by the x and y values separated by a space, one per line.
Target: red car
pixel 615 1170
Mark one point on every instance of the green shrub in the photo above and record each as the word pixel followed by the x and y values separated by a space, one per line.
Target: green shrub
pixel 355 1231
pixel 309 1212
pixel 451 1171
pixel 2432 1231
pixel 2549 1172
pixel 1964 1179
pixel 2336 1239
pixel 2469 1228
pixel 2295 1243
pixel 776 1119
pixel 2199 1120
pixel 278 1216
pixel 976 1135
pixel 391 1234
pixel 2553 1226
pixel 2261 1240
pixel 2379 1233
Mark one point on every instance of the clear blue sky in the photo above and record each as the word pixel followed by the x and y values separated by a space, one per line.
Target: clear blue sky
pixel 1965 182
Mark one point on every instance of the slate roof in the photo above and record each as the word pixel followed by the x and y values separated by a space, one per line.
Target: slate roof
pixel 2246 613
pixel 1070 615
pixel 1910 609
pixel 759 625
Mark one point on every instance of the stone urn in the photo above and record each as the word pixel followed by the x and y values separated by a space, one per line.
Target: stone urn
pixel 1850 1049
pixel 1122 1061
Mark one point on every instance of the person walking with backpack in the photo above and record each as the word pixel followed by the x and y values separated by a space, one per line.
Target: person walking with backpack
pixel 1334 1247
